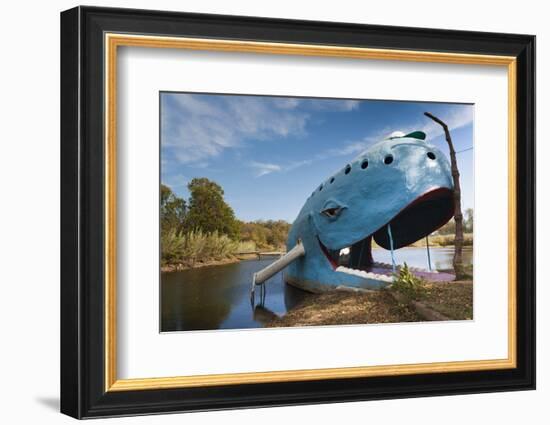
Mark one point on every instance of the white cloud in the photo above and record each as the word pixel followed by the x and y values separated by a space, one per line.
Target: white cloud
pixel 287 102
pixel 455 118
pixel 198 127
pixel 296 164
pixel 336 105
pixel 263 168
pixel 340 105
pixel 176 181
pixel 350 148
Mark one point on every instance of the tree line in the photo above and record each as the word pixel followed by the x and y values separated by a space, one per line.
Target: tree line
pixel 467 226
pixel 204 227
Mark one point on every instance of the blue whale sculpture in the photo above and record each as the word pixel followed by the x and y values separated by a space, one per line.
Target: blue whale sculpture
pixel 396 192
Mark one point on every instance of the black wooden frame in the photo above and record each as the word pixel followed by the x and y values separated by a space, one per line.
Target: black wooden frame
pixel 82 212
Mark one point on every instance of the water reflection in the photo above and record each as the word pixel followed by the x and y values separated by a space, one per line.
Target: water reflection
pixel 263 315
pixel 218 297
pixel 198 299
pixel 442 258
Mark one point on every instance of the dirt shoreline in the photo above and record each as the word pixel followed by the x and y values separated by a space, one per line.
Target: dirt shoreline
pixel 168 268
pixel 199 264
pixel 450 300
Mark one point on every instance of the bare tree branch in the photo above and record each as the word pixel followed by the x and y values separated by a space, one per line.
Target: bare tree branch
pixel 459 232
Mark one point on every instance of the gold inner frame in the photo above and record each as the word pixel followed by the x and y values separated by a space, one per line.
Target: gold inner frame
pixel 113 41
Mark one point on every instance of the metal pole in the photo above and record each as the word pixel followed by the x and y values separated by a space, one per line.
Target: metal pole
pixel 252 290
pixel 428 250
pixel 261 276
pixel 278 265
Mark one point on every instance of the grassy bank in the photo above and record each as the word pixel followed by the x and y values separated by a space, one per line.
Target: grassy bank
pixel 454 300
pixel 181 251
pixel 439 241
pixel 445 240
pixel 175 267
pixel 187 250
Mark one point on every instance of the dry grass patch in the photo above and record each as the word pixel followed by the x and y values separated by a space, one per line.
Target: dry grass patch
pixel 454 299
pixel 346 308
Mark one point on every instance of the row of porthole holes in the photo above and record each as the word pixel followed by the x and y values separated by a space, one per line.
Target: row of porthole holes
pixel 388 159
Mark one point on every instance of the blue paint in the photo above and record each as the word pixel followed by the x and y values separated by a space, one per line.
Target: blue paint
pixel 391 248
pixel 394 181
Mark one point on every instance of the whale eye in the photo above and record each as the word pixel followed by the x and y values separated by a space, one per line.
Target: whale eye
pixel 431 155
pixel 388 159
pixel 332 212
pixel 332 209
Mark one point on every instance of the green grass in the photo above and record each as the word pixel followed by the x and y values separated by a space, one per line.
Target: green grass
pixel 188 248
pixel 246 246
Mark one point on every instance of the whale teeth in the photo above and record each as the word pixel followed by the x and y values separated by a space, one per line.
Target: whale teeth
pixel 364 274
pixel 344 251
pixel 369 275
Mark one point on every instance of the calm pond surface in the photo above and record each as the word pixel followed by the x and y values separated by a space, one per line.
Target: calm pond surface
pixel 217 297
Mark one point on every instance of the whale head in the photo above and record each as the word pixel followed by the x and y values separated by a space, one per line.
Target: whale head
pixel 400 186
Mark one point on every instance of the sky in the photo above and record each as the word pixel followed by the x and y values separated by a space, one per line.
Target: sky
pixel 269 153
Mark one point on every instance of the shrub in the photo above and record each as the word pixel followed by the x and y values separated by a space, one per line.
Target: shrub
pixel 193 246
pixel 245 246
pixel 171 246
pixel 219 246
pixel 407 283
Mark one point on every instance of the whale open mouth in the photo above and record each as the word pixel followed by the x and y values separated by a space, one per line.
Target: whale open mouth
pixel 418 219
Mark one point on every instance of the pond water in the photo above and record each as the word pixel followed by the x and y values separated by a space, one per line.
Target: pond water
pixel 441 258
pixel 217 297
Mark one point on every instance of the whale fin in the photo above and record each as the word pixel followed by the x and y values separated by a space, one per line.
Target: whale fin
pixel 416 135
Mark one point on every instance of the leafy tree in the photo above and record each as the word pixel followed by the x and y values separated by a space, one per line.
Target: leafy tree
pixel 172 210
pixel 469 221
pixel 255 232
pixel 208 211
pixel 448 228
pixel 278 232
pixel 268 234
